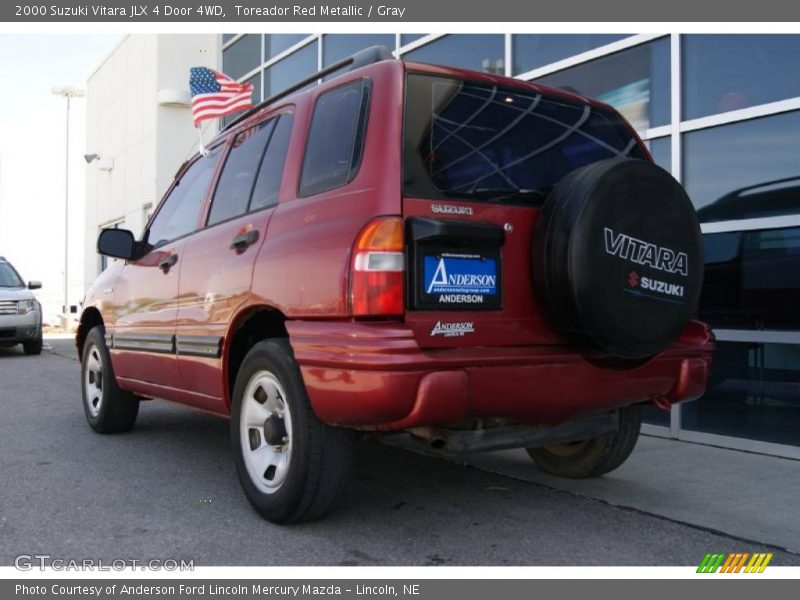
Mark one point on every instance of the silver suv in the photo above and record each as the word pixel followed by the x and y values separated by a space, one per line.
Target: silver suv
pixel 20 312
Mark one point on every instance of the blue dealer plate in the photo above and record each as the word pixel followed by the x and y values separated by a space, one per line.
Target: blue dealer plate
pixel 460 280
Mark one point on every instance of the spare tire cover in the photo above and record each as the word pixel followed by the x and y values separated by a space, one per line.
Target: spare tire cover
pixel 618 259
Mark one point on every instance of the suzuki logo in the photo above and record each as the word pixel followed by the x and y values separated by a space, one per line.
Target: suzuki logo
pixel 633 279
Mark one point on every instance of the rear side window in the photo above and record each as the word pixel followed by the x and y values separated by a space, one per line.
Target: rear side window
pixel 475 140
pixel 236 181
pixel 180 211
pixel 335 139
pixel 270 173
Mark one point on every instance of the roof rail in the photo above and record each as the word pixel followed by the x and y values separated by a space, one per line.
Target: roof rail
pixel 362 58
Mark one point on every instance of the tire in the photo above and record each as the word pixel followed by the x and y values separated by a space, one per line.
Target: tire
pixel 292 467
pixel 33 347
pixel 617 258
pixel 593 457
pixel 108 408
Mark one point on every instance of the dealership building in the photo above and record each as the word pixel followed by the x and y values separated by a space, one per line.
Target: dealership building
pixel 720 112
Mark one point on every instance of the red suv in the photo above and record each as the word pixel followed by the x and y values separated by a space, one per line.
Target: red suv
pixel 481 262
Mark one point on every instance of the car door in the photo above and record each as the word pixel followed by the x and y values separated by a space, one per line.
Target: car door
pixel 217 268
pixel 146 294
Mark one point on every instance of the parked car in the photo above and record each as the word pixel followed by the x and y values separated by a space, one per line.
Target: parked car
pixel 482 262
pixel 20 312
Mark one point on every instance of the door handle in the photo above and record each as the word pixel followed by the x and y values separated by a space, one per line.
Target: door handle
pixel 243 240
pixel 167 262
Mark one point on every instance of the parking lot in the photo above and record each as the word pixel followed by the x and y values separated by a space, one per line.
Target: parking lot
pixel 168 490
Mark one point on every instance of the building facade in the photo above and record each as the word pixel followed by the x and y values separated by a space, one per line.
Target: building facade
pixel 139 130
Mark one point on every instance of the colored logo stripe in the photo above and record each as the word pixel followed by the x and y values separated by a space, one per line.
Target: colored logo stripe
pixel 735 562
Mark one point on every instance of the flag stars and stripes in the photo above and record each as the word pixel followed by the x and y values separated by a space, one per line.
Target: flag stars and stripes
pixel 215 95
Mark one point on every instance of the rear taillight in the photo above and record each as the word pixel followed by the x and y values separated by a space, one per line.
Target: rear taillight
pixel 377 283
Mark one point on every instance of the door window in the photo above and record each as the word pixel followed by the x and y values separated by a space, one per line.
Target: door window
pixel 179 213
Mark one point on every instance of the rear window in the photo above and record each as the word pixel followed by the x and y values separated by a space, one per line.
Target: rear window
pixel 475 140
pixel 333 148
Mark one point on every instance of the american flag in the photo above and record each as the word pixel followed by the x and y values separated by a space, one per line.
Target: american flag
pixel 214 94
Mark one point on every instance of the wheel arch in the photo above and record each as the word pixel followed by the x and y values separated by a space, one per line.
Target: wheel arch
pixel 90 318
pixel 252 325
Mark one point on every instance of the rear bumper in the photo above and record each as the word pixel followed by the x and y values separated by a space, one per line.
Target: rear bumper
pixel 375 376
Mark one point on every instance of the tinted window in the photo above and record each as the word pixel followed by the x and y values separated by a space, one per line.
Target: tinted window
pixel 333 148
pixel 268 183
pixel 752 393
pixel 533 51
pixel 242 56
pixel 179 213
pixel 9 277
pixel 479 140
pixel 661 151
pixel 635 81
pixel 479 52
pixel 290 70
pixel 275 43
pixel 236 181
pixel 338 46
pixel 752 279
pixel 744 170
pixel 729 72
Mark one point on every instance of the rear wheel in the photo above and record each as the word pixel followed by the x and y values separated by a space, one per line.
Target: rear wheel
pixel 593 457
pixel 108 408
pixel 292 467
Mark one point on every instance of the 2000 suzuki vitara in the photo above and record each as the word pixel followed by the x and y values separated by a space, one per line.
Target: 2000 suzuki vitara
pixel 482 262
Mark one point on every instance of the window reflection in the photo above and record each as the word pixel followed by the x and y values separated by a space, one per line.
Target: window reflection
pixel 752 393
pixel 730 72
pixel 752 279
pixel 479 52
pixel 538 50
pixel 242 56
pixel 635 81
pixel 338 46
pixel 291 69
pixel 744 170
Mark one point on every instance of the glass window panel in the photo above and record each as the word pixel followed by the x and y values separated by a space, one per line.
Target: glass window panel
pixel 275 43
pixel 407 38
pixel 661 151
pixel 291 69
pixel 752 279
pixel 654 416
pixel 232 195
pixel 228 36
pixel 333 145
pixel 242 56
pixel 752 393
pixel 729 72
pixel 635 81
pixel 483 141
pixel 534 51
pixel 268 184
pixel 479 52
pixel 744 170
pixel 179 213
pixel 338 46
pixel 256 81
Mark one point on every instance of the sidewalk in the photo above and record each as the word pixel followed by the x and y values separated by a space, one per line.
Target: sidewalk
pixel 744 495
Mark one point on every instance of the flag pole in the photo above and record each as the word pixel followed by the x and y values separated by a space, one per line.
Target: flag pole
pixel 203 151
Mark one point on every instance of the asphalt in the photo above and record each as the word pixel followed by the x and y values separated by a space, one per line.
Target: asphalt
pixel 168 490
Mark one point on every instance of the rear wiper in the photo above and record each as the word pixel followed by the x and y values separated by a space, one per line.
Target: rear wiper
pixel 501 193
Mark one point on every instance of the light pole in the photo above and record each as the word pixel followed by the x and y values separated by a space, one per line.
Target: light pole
pixel 69 93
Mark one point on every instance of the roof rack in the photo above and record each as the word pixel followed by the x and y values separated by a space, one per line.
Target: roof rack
pixel 362 58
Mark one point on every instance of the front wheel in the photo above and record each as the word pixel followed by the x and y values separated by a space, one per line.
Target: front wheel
pixel 292 467
pixel 108 408
pixel 593 457
pixel 33 347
